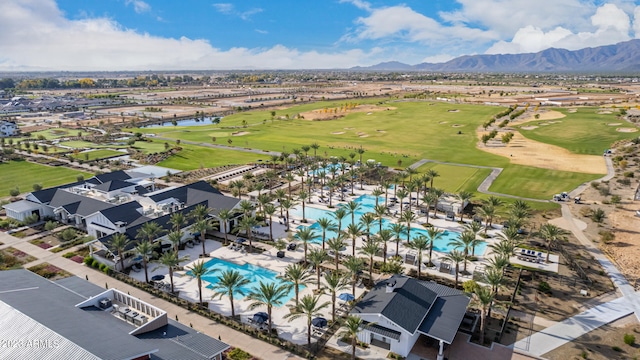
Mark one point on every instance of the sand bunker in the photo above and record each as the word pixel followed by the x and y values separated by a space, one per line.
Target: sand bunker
pixel 240 133
pixel 572 110
pixel 528 152
pixel 605 112
pixel 529 127
pixel 443 122
pixel 381 131
pixel 626 130
pixel 542 115
pixel 614 124
pixel 321 114
pixel 337 133
pixel 454 110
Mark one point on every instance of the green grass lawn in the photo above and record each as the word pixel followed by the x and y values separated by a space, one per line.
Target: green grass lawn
pixel 582 132
pixel 194 157
pixel 454 179
pixel 23 174
pixel 98 154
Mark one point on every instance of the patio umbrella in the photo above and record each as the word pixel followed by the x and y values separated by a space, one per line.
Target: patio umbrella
pixel 260 317
pixel 157 277
pixel 346 297
pixel 319 322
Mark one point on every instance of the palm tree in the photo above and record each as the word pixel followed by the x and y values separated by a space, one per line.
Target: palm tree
pixel 306 235
pixel 463 196
pixel 438 194
pixel 385 236
pixel 297 275
pixel 287 204
pixel 377 192
pixel 198 270
pixel 360 151
pixel 269 209
pixel 380 211
pixel 420 244
pixel 398 230
pixel 316 258
pixel 199 212
pixel 225 215
pixel 315 148
pixel 326 225
pixel 176 220
pixel 456 257
pixel 370 248
pixel 335 282
pixel 354 230
pixel 230 282
pixel 433 235
pixel 354 265
pixel 481 299
pixel 336 244
pixel 237 186
pixel 149 231
pixel 246 224
pixel 303 196
pixel 464 241
pixel 268 295
pixel 352 208
pixel 338 215
pixel 408 217
pixel 366 220
pixel 401 194
pixel 175 237
pixel 351 328
pixel 432 174
pixel 428 199
pixel 487 212
pixel 145 250
pixel 202 226
pixel 169 259
pixel 551 233
pixel 309 307
pixel 119 242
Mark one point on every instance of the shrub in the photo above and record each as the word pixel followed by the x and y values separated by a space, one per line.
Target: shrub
pixel 238 354
pixel 544 287
pixel 628 174
pixel 629 339
pixel 469 286
pixel 14 192
pixel 88 260
pixel 94 263
pixel 67 235
pixel 606 236
pixel 50 225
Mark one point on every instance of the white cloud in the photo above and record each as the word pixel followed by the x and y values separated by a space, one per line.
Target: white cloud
pixel 360 4
pixel 636 22
pixel 436 59
pixel 58 43
pixel 229 9
pixel 224 8
pixel 609 25
pixel 260 31
pixel 139 6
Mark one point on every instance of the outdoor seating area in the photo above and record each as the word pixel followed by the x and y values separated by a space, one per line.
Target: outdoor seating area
pixel 530 256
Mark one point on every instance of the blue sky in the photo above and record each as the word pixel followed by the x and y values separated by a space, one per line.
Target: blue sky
pixel 305 34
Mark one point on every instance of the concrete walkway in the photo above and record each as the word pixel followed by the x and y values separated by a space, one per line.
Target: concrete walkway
pixel 257 348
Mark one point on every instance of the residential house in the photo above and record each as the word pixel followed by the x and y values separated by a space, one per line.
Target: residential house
pixel 8 128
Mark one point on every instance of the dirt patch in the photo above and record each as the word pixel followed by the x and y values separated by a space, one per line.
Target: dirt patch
pixel 542 115
pixel 626 130
pixel 457 125
pixel 605 112
pixel 239 133
pixel 572 110
pixel 614 124
pixel 337 133
pixel 362 135
pixel 443 122
pixel 336 113
pixel 529 127
pixel 454 111
pixel 528 152
pixel 381 131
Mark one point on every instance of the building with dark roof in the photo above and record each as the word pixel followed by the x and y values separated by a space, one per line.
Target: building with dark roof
pixel 396 312
pixel 74 319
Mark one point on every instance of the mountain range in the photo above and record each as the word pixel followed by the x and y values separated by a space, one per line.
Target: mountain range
pixel 620 57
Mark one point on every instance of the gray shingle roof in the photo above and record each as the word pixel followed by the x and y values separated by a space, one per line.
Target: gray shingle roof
pixel 215 201
pixel 110 176
pixel 180 193
pixel 127 212
pixel 45 195
pixel 113 185
pixel 77 204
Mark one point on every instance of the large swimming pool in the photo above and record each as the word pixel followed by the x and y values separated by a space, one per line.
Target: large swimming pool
pixel 367 204
pixel 254 273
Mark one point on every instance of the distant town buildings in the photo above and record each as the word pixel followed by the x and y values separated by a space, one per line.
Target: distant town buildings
pixel 8 128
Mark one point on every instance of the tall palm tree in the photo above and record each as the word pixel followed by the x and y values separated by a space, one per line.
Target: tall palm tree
pixel 287 204
pixel 420 243
pixel 370 248
pixel 433 234
pixel 438 195
pixel 145 250
pixel 377 192
pixel 551 233
pixel 354 230
pixel 268 295
pixel 384 237
pixel 306 235
pixel 428 199
pixel 198 270
pixel 176 220
pixel 463 196
pixel 432 174
pixel 401 195
pixel 366 220
pixel 202 226
pixel 175 237
pixel 230 282
pixel 338 215
pixel 410 187
pixel 481 299
pixel 247 207
pixel 487 212
pixel 335 283
pixel 309 307
pixel 246 224
pixel 169 259
pixel 408 217
pixel 298 275
pixel 352 208
pixel 149 231
pixel 350 329
pixel 119 242
pixel 326 225
pixel 354 265
pixel 316 258
pixel 315 148
pixel 237 186
pixel 464 242
pixel 269 209
pixel 199 212
pixel 380 211
pixel 225 215
pixel 303 196
pixel 398 229
pixel 456 257
pixel 336 244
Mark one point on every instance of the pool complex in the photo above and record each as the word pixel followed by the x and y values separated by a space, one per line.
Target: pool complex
pixel 367 204
pixel 254 273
